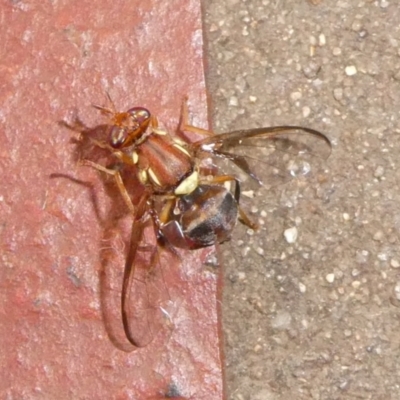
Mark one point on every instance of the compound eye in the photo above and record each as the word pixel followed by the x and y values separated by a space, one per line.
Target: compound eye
pixel 140 115
pixel 118 136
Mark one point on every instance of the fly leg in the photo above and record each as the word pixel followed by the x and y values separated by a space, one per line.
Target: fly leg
pixel 184 125
pixel 118 180
pixel 119 154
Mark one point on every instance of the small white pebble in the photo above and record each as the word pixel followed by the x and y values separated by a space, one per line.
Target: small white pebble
pixel 355 272
pixel 248 193
pixel 241 276
pixel 245 251
pixel 291 234
pixel 356 284
pixel 295 96
pixel 378 236
pixel 302 287
pixel 382 256
pixel 280 278
pixel 260 251
pixel 306 111
pixel 346 216
pixel 397 290
pixel 330 278
pixel 322 40
pixel 337 51
pixel 328 335
pixel 233 101
pixel 350 70
pixel 252 99
pixel 257 348
pixel 304 323
pixel 394 263
pixel 213 28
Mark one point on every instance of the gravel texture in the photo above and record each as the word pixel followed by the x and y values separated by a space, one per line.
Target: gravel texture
pixel 311 300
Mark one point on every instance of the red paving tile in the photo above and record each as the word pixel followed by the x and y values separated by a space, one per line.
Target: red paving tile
pixel 57 59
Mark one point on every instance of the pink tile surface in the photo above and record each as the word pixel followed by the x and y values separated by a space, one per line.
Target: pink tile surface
pixel 57 59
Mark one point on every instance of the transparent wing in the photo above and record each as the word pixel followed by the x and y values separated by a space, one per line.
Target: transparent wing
pixel 268 155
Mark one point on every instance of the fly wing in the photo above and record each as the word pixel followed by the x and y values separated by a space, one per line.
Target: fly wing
pixel 268 155
pixel 144 294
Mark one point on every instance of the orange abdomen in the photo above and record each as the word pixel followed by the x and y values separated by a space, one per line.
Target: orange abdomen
pixel 167 161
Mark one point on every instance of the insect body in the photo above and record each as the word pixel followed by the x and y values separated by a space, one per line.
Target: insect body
pixel 184 198
pixel 206 216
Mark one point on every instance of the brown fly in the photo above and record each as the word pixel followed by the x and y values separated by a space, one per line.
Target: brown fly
pixel 183 193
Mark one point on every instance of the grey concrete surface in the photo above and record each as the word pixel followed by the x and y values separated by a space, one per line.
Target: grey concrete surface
pixel 317 318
